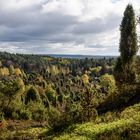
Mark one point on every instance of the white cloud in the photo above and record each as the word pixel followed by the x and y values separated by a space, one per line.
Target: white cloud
pixel 13 5
pixel 88 9
pixel 62 26
pixel 66 7
pixel 10 47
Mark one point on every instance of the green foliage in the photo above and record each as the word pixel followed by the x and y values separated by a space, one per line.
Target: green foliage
pixel 50 93
pixel 96 70
pixel 121 127
pixel 118 72
pixel 11 70
pixel 108 82
pixel 57 120
pixel 125 68
pixel 10 92
pixel 124 73
pixel 15 115
pixel 131 111
pixel 1 116
pixel 75 112
pixel 32 95
pixel 70 111
pixel 85 79
pixel 38 110
pixel 128 41
pixel 88 105
pixel 29 133
pixel 63 92
pixel 128 94
pixel 25 114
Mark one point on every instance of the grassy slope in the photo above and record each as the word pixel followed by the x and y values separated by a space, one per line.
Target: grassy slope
pixel 123 125
pixel 126 126
pixel 93 131
pixel 20 129
pixel 22 134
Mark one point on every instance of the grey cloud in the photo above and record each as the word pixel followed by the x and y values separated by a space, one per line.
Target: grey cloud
pixel 37 29
pixel 96 46
pixel 98 25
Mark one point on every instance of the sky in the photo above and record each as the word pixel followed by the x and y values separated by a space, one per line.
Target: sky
pixel 87 27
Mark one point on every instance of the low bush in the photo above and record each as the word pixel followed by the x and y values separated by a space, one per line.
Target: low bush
pixel 38 110
pixel 1 116
pixel 127 95
pixel 25 114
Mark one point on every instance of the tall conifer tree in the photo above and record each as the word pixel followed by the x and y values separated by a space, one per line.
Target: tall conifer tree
pixel 125 67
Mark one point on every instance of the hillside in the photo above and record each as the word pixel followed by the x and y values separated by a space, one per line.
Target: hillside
pixel 123 125
pixel 36 104
pixel 61 77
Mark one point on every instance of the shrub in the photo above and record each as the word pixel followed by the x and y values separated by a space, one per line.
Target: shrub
pixel 1 116
pixel 85 79
pixel 50 93
pixel 56 120
pixel 109 82
pixel 128 95
pixel 59 119
pixel 37 110
pixel 40 115
pixel 15 115
pixel 88 105
pixel 32 95
pixel 25 114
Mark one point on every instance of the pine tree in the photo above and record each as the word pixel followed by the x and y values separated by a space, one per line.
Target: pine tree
pixel 125 68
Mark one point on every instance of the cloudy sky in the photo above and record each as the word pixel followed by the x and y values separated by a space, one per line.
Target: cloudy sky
pixel 88 27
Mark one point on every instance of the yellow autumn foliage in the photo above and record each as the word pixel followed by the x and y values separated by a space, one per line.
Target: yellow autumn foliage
pixel 4 71
pixel 85 79
pixel 17 72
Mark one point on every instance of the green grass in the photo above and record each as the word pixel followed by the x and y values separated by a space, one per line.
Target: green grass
pixel 93 131
pixel 125 127
pixel 28 134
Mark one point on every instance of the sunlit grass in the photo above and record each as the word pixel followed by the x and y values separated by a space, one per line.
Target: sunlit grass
pixel 126 124
pixel 30 133
pixel 111 130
